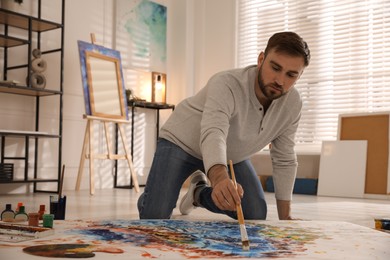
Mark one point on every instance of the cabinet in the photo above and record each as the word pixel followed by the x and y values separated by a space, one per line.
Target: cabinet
pixel 30 30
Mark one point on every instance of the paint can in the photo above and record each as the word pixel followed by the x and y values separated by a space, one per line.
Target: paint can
pixel 48 220
pixel 33 219
pixel 58 206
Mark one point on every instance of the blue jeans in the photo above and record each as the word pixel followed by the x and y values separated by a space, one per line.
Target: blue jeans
pixel 172 166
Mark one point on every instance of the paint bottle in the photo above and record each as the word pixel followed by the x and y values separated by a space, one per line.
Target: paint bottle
pixel 18 206
pixel 33 219
pixel 21 215
pixel 382 224
pixel 8 214
pixel 41 211
pixel 48 220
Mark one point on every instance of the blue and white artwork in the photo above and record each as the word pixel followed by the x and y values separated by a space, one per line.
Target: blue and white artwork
pixel 141 34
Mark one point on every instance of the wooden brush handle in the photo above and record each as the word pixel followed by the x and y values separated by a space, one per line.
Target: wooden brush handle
pixel 232 173
pixel 240 214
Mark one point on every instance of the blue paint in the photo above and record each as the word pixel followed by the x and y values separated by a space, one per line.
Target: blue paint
pixel 202 237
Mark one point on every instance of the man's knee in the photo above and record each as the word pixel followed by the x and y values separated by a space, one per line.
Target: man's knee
pixel 153 211
pixel 258 211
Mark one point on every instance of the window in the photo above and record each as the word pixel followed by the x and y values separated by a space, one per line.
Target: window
pixel 349 42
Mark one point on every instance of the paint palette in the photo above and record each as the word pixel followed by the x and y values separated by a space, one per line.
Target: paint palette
pixel 68 250
pixel 18 232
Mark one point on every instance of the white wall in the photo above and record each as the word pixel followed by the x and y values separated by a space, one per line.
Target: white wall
pixel 200 42
pixel 214 38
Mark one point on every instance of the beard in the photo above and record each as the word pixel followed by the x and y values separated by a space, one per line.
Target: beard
pixel 271 91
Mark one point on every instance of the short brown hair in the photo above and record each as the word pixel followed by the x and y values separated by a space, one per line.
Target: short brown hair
pixel 290 43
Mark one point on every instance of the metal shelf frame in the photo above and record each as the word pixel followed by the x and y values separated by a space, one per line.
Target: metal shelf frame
pixel 33 26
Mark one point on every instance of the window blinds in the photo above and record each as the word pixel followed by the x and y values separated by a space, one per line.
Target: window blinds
pixel 349 70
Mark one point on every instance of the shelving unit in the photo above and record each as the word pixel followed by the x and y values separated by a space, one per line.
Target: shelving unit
pixel 34 26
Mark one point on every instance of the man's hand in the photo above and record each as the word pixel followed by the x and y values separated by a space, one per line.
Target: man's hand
pixel 224 194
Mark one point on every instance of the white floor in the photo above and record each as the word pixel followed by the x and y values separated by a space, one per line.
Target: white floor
pixel 121 204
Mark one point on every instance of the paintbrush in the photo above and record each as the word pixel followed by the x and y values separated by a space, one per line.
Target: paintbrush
pixel 61 182
pixel 240 215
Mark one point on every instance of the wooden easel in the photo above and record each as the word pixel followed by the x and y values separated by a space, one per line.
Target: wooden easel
pixel 89 141
pixel 88 144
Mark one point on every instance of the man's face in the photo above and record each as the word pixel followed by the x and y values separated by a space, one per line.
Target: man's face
pixel 278 73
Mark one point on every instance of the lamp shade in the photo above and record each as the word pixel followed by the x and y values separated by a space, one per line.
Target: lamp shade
pixel 159 87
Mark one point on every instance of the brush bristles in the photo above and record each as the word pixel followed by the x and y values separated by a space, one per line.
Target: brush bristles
pixel 245 245
pixel 244 238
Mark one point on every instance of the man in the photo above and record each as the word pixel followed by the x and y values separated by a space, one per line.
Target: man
pixel 234 116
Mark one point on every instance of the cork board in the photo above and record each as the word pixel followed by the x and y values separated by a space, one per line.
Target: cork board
pixel 375 129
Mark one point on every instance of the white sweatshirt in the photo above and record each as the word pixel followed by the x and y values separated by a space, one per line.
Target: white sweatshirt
pixel 225 121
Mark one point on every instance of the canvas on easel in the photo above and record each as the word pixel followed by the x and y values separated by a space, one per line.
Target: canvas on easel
pixel 105 103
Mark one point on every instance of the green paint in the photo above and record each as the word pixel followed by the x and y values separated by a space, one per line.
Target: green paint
pixel 48 220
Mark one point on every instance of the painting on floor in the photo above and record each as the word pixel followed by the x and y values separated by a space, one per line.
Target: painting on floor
pixel 183 239
pixel 201 239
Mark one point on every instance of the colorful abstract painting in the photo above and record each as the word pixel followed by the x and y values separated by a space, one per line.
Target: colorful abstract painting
pixel 184 239
pixel 141 34
pixel 201 239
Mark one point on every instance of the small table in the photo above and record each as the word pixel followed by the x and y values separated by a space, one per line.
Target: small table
pixel 141 104
pixel 149 105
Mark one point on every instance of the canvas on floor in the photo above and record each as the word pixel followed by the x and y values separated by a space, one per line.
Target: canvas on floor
pixel 184 239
